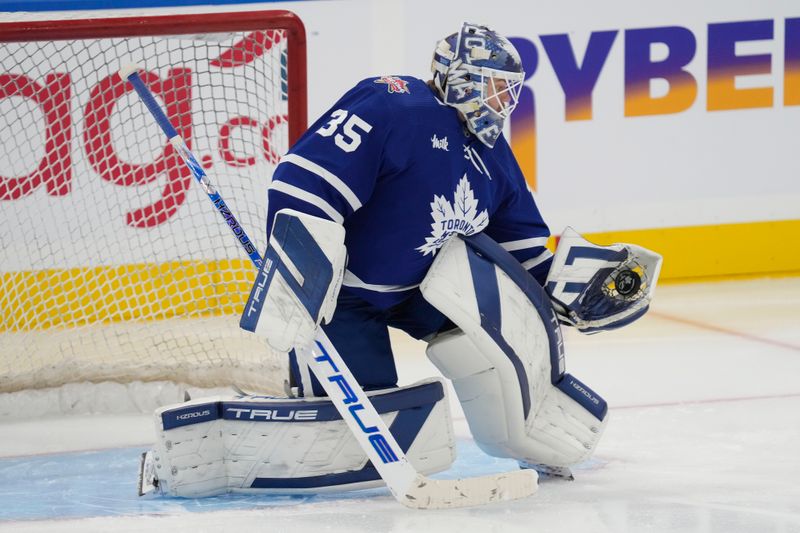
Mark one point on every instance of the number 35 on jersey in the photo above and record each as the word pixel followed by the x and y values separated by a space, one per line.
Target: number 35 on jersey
pixel 349 138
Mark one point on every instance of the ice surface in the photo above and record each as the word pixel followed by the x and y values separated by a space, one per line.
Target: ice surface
pixel 704 437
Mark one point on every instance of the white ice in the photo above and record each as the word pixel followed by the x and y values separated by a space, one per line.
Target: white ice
pixel 704 436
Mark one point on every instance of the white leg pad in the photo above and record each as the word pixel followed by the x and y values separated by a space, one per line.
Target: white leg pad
pixel 215 445
pixel 506 359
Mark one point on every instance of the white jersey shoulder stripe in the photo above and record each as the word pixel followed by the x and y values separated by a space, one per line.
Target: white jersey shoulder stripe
pixel 351 280
pixel 539 259
pixel 513 246
pixel 313 199
pixel 329 177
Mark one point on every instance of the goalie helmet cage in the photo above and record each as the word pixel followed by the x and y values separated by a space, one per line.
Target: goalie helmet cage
pixel 114 267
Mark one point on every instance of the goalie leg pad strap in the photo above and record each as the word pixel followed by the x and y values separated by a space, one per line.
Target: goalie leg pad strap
pixel 217 445
pixel 506 360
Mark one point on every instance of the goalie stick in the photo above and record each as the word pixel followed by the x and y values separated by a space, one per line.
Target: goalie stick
pixel 408 486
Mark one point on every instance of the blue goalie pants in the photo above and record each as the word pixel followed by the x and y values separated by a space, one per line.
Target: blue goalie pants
pixel 359 331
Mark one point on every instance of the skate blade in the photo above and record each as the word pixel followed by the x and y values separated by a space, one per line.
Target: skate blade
pixel 147 475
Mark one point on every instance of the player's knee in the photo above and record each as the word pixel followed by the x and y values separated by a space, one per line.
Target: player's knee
pixel 506 361
pixel 522 417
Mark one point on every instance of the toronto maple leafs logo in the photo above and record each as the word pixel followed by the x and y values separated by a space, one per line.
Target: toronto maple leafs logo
pixel 459 217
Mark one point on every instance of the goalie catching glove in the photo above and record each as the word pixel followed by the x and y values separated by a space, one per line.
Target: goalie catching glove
pixel 597 288
pixel 299 281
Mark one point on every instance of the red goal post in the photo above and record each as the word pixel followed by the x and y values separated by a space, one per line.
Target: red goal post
pixel 113 268
pixel 188 24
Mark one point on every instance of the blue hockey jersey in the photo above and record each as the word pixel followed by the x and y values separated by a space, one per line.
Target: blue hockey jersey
pixel 396 167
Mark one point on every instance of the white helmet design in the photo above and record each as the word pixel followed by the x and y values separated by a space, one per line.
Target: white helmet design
pixel 479 73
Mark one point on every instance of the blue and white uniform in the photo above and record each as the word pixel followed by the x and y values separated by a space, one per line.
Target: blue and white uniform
pixel 397 168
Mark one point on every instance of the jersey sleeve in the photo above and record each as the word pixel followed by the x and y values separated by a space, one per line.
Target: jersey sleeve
pixel 332 169
pixel 517 225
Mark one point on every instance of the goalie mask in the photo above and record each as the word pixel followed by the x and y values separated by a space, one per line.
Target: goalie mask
pixel 479 73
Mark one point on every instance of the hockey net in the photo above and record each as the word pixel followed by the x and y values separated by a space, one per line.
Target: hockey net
pixel 115 266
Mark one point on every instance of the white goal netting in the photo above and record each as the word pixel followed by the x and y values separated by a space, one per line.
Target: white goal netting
pixel 115 266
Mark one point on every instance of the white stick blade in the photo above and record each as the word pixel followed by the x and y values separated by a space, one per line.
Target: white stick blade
pixel 428 493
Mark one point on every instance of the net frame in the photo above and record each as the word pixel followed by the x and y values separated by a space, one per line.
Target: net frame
pixel 114 27
pixel 180 24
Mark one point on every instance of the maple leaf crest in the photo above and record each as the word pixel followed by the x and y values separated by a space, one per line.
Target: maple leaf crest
pixel 459 217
